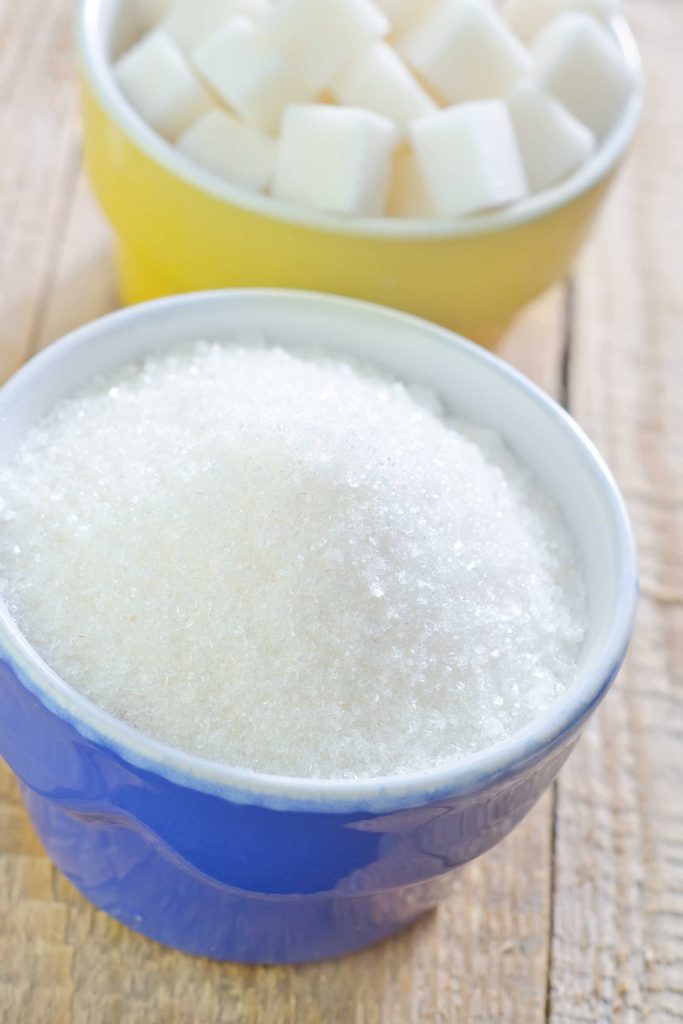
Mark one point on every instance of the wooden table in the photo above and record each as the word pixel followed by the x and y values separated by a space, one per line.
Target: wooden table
pixel 578 916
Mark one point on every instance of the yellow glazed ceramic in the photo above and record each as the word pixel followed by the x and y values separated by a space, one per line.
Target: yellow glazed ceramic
pixel 182 229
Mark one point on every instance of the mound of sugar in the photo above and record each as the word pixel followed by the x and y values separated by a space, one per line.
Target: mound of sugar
pixel 289 564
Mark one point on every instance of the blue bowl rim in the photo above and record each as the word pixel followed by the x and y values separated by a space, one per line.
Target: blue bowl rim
pixel 377 794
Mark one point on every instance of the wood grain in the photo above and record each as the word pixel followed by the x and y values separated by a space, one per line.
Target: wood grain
pixel 617 950
pixel 578 916
pixel 39 160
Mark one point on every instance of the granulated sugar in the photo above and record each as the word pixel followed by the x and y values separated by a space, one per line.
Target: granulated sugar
pixel 288 564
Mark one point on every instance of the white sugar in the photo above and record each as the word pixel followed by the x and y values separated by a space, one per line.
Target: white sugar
pixel 289 564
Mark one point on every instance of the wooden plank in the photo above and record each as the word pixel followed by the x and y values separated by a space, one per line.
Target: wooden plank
pixel 617 952
pixel 479 958
pixel 482 956
pixel 39 143
pixel 82 285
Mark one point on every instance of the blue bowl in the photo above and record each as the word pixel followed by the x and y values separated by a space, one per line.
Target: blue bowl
pixel 242 866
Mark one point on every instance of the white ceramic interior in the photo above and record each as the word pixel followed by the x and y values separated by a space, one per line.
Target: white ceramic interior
pixel 107 27
pixel 474 384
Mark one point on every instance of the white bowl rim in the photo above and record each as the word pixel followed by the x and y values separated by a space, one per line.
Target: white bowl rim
pixel 608 154
pixel 466 774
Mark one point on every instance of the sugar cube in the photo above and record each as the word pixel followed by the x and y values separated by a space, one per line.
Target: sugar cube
pixel 336 159
pixel 189 22
pixel 465 50
pixel 157 80
pixel 149 13
pixel 527 17
pixel 469 158
pixel 552 142
pixel 249 74
pixel 379 80
pixel 404 14
pixel 320 37
pixel 581 64
pixel 137 18
pixel 231 149
pixel 408 192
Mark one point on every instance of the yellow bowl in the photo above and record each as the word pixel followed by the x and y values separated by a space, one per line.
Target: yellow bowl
pixel 182 229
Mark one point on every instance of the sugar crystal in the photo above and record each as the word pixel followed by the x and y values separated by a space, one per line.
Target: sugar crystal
pixel 289 563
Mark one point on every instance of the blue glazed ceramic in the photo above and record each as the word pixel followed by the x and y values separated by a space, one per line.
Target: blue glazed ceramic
pixel 239 866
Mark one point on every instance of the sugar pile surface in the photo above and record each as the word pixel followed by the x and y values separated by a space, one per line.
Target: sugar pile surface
pixel 288 564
